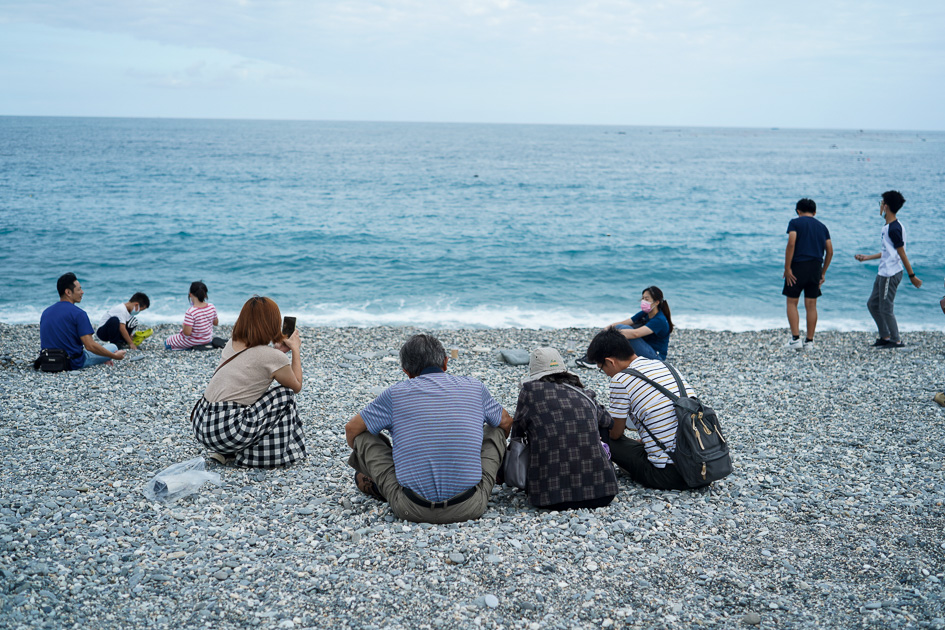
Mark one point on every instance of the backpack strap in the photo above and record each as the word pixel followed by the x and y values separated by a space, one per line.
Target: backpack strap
pixel 679 384
pixel 595 406
pixel 673 397
pixel 227 361
pixel 211 376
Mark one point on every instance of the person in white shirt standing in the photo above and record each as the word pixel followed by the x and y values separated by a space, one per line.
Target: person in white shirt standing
pixel 892 260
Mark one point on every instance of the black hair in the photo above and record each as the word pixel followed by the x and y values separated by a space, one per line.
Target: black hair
pixel 199 290
pixel 806 205
pixel 664 307
pixel 141 299
pixel 894 200
pixel 66 282
pixel 563 377
pixel 420 352
pixel 609 343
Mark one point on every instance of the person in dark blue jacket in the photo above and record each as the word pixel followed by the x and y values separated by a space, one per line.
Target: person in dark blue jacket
pixel 649 330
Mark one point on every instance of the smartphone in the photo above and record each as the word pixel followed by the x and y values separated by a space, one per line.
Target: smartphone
pixel 288 326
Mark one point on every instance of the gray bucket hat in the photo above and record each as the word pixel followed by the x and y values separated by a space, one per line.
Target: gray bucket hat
pixel 542 362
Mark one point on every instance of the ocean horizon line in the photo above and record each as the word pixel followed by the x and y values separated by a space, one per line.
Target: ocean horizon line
pixel 662 126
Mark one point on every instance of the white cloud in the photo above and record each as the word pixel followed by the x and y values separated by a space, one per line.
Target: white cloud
pixel 634 61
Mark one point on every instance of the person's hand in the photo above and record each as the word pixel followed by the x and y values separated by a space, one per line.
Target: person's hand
pixel 293 343
pixel 132 346
pixel 119 355
pixel 860 257
pixel 916 282
pixel 790 278
pixel 823 279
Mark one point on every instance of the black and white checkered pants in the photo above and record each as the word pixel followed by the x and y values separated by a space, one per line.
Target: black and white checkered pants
pixel 265 434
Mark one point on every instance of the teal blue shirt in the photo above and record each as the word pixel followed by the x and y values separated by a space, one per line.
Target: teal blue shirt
pixel 659 339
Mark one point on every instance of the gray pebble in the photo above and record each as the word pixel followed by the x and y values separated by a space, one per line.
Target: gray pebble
pixel 758 539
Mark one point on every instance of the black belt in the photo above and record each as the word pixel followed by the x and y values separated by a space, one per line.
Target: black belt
pixel 459 498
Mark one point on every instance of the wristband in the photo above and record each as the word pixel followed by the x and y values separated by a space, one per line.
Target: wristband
pixel 912 275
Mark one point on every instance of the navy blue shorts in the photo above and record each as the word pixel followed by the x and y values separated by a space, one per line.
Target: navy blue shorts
pixel 808 275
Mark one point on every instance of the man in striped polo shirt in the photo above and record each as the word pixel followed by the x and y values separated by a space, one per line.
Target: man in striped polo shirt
pixel 448 437
pixel 645 406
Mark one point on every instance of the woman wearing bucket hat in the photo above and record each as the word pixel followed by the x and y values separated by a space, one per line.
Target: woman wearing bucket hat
pixel 569 467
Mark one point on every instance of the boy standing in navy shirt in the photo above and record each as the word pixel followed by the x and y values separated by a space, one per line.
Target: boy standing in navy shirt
pixel 806 259
pixel 892 261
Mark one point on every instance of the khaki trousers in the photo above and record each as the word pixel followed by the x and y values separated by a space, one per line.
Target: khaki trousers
pixel 372 455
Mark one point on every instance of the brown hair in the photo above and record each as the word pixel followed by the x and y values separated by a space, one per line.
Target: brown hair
pixel 259 323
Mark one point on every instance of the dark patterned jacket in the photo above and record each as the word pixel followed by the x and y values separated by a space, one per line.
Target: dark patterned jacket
pixel 566 460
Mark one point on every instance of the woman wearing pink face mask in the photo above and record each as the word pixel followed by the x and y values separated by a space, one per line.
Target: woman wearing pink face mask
pixel 649 330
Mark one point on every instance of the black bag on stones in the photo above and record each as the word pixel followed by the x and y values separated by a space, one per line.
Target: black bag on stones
pixel 52 360
pixel 701 455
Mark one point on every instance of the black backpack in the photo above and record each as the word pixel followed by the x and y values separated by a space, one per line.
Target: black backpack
pixel 52 360
pixel 701 455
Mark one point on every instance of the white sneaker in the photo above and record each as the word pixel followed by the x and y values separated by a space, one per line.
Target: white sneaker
pixel 794 344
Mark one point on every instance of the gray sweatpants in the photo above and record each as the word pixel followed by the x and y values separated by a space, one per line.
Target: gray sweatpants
pixel 881 306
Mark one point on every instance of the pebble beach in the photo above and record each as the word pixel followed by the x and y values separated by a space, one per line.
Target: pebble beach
pixel 833 517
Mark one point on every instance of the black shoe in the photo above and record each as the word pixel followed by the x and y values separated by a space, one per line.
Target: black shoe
pixel 895 344
pixel 881 343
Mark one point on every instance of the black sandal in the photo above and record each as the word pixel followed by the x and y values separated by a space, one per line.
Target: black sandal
pixel 220 458
pixel 367 486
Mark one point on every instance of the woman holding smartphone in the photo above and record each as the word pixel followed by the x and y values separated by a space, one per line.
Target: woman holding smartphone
pixel 239 417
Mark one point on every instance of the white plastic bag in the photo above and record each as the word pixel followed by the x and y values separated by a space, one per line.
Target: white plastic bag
pixel 179 480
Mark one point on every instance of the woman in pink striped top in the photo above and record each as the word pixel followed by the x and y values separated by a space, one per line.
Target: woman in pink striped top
pixel 199 321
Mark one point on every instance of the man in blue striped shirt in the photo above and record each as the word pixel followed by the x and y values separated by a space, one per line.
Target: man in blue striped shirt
pixel 448 437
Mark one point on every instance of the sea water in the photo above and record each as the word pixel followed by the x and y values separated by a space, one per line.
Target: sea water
pixel 456 225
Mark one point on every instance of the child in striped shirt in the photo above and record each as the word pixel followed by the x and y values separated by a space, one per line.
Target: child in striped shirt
pixel 199 321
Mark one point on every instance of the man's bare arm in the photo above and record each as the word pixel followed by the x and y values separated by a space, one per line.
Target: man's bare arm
pixel 616 431
pixel 354 428
pixel 905 263
pixel 124 333
pixel 95 348
pixel 789 258
pixel 505 423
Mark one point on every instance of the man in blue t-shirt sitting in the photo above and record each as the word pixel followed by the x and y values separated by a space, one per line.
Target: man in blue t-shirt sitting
pixel 65 326
pixel 443 462
pixel 806 259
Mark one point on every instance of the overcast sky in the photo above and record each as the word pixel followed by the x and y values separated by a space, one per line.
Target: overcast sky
pixel 817 64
